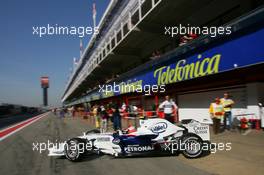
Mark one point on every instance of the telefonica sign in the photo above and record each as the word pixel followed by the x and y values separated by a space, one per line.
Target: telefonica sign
pixel 233 54
pixel 185 71
pixel 221 58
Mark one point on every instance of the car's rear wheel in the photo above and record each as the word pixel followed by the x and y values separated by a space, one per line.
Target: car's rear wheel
pixel 74 149
pixel 191 145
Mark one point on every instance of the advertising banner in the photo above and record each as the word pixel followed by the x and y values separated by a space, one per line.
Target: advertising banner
pixel 238 53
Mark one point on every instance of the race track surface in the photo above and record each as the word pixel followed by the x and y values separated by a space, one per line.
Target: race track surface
pixel 13 119
pixel 17 155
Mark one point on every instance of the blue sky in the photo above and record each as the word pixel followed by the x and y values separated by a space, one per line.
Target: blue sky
pixel 25 57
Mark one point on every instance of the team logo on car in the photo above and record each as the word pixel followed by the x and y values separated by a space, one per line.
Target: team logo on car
pixel 159 127
pixel 116 141
pixel 201 129
pixel 138 148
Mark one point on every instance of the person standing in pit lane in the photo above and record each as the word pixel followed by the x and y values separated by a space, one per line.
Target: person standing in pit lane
pixel 217 112
pixel 62 113
pixel 104 117
pixel 96 117
pixel 227 104
pixel 168 106
pixel 116 118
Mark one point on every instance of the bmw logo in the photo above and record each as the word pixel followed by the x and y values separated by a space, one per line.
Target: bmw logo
pixel 116 141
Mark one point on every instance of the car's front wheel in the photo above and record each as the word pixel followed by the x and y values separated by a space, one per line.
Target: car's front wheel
pixel 191 145
pixel 74 149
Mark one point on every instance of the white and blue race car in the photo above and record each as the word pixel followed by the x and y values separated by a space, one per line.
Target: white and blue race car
pixel 154 136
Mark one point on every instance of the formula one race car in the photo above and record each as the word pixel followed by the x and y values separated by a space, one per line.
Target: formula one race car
pixel 154 136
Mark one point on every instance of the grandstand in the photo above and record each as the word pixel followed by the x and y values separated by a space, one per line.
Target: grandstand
pixel 131 31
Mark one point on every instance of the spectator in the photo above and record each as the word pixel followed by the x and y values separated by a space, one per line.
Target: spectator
pixel 186 38
pixel 216 111
pixel 132 111
pixel 227 104
pixel 65 111
pixel 96 117
pixel 104 117
pixel 155 54
pixel 55 111
pixel 192 36
pixel 183 40
pixel 62 113
pixel 168 105
pixel 86 111
pixel 110 113
pixel 116 118
pixel 123 108
pixel 73 111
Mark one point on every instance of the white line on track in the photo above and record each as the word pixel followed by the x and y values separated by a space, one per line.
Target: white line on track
pixel 33 120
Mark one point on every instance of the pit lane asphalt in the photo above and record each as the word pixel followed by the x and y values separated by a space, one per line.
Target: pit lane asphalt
pixel 17 155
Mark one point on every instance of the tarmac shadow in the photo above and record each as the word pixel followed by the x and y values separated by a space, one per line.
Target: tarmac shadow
pixel 86 157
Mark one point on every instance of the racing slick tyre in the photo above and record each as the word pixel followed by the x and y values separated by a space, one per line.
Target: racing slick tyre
pixel 74 149
pixel 191 145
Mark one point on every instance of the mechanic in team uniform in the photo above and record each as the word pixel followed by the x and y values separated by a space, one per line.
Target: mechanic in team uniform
pixel 168 106
pixel 227 104
pixel 217 112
